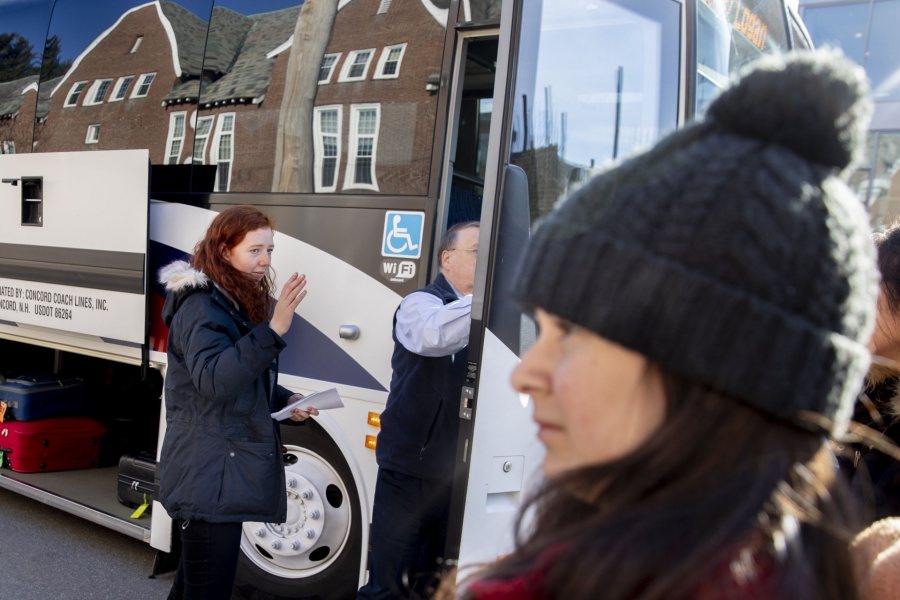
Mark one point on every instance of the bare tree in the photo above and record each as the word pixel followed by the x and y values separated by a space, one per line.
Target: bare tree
pixel 294 141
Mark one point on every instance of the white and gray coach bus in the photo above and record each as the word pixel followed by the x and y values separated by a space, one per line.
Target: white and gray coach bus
pixel 365 128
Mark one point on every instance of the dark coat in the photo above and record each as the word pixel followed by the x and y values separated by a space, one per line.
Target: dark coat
pixel 876 476
pixel 420 422
pixel 221 458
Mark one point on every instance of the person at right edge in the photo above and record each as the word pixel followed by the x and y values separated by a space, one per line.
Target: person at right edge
pixel 704 310
pixel 875 474
pixel 417 442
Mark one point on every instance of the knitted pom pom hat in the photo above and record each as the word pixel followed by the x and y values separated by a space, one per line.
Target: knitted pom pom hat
pixel 732 252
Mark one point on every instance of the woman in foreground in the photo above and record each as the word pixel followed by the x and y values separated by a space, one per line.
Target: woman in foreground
pixel 703 311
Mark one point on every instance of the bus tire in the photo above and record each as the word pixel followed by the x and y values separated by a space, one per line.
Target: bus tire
pixel 325 567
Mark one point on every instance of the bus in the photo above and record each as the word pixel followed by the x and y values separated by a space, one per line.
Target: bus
pixel 365 128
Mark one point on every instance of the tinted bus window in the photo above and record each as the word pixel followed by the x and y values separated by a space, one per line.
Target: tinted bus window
pixel 595 83
pixel 22 31
pixel 352 110
pixel 125 59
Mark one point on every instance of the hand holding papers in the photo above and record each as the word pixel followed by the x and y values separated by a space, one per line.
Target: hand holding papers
pixel 320 400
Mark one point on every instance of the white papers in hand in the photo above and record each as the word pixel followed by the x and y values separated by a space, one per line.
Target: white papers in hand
pixel 320 400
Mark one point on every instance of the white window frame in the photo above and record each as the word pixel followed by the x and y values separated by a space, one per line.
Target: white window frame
pixel 383 7
pixel 318 137
pixel 93 134
pixel 72 90
pixel 214 154
pixel 353 147
pixel 382 62
pixel 171 138
pixel 202 160
pixel 350 60
pixel 90 98
pixel 337 59
pixel 121 86
pixel 137 44
pixel 140 83
pixel 7 147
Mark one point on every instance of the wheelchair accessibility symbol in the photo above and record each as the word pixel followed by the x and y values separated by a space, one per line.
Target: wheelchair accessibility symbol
pixel 402 234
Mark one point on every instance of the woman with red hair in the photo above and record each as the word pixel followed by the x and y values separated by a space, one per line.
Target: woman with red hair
pixel 221 460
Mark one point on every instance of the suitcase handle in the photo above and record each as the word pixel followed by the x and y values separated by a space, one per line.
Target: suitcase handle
pixel 33 379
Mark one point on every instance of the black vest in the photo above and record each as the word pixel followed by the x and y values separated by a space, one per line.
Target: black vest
pixel 419 425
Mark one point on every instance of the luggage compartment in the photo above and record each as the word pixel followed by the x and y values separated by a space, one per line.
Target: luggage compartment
pixel 58 444
pixel 125 399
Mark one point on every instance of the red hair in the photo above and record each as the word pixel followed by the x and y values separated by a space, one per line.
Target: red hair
pixel 225 232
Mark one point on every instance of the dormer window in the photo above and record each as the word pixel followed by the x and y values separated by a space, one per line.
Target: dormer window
pixel 97 92
pixel 142 88
pixel 329 61
pixel 137 44
pixel 75 93
pixel 357 65
pixel 389 63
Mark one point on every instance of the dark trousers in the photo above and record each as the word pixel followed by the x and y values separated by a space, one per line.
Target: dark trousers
pixel 209 555
pixel 409 529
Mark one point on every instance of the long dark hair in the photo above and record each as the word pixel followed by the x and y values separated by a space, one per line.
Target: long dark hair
pixel 888 245
pixel 717 477
pixel 225 232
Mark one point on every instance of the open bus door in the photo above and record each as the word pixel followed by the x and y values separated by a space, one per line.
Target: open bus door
pixel 491 477
pixel 575 87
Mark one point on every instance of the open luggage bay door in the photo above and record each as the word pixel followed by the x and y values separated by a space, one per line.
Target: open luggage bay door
pixel 73 247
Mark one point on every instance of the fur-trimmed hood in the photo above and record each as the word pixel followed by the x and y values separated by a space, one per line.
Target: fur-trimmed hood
pixel 180 280
pixel 180 275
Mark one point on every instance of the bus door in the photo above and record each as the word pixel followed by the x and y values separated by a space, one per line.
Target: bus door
pixel 486 490
pixel 577 87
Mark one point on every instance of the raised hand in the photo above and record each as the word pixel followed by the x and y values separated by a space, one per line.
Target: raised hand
pixel 293 292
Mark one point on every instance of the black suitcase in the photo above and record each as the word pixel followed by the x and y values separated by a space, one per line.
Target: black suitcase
pixel 138 481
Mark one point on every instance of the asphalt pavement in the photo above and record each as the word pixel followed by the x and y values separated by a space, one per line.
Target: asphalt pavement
pixel 47 553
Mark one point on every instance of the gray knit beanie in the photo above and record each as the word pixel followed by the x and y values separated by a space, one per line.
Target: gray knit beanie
pixel 732 253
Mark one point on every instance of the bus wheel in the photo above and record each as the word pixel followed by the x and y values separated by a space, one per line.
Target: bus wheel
pixel 316 552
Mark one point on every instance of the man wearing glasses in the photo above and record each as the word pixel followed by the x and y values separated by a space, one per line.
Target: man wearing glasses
pixel 417 443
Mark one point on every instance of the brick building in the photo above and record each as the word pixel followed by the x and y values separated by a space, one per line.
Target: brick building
pixel 163 78
pixel 18 101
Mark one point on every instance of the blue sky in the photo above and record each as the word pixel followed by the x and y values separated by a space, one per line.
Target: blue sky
pixel 78 22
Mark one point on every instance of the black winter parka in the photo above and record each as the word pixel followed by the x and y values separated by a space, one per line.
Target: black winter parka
pixel 221 459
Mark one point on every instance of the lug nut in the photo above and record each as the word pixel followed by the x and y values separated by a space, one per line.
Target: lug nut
pixel 314 514
pixel 295 545
pixel 276 545
pixel 261 532
pixel 292 483
pixel 307 494
pixel 310 533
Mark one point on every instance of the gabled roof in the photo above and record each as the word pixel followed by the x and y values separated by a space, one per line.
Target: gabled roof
pixel 164 21
pixel 190 34
pixel 237 50
pixel 12 94
pixel 43 102
pixel 227 33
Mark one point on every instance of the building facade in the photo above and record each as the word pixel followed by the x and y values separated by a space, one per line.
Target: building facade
pixel 866 30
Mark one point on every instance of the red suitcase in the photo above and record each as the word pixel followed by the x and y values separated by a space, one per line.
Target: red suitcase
pixel 59 444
